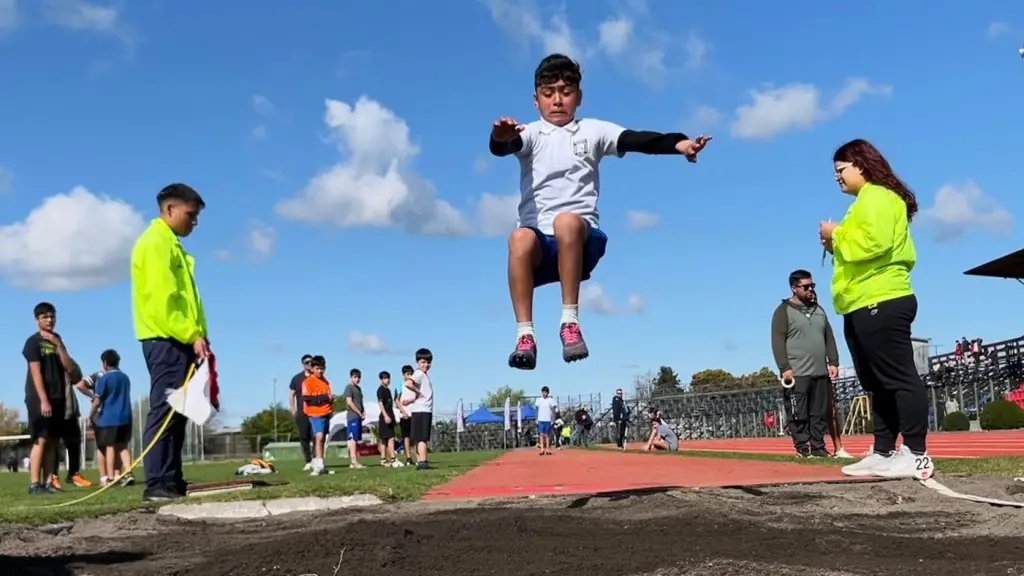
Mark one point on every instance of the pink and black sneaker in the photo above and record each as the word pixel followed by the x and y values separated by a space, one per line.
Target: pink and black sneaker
pixel 573 346
pixel 525 355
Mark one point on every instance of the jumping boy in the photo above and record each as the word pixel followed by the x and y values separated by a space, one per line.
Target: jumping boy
pixel 112 405
pixel 386 422
pixel 558 238
pixel 404 398
pixel 354 416
pixel 421 407
pixel 45 396
pixel 318 404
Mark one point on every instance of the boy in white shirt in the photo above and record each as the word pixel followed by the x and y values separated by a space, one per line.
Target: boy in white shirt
pixel 421 407
pixel 547 408
pixel 558 239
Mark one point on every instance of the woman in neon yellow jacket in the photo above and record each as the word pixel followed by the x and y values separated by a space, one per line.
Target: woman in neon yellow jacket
pixel 873 254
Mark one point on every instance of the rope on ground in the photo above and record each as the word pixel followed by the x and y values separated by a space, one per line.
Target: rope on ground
pixel 946 491
pixel 135 464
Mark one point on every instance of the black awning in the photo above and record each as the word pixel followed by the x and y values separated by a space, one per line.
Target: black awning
pixel 1009 266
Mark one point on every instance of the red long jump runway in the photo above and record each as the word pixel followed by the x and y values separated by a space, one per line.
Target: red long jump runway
pixel 525 473
pixel 940 444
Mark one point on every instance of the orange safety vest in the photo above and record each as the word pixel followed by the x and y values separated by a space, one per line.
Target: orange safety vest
pixel 317 398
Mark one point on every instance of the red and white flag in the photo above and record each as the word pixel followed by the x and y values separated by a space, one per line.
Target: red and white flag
pixel 199 400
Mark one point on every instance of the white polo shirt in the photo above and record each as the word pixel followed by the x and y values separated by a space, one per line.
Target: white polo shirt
pixel 558 170
pixel 425 401
pixel 546 409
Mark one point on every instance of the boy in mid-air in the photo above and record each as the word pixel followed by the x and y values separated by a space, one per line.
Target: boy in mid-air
pixel 421 407
pixel 112 407
pixel 318 404
pixel 45 396
pixel 558 239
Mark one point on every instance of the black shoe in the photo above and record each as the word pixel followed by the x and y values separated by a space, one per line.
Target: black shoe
pixel 524 357
pixel 160 495
pixel 423 465
pixel 820 453
pixel 803 454
pixel 38 489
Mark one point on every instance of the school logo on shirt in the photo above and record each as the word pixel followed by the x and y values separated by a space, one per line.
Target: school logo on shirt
pixel 581 147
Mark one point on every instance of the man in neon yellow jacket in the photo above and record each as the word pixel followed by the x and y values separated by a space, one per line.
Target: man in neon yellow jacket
pixel 171 324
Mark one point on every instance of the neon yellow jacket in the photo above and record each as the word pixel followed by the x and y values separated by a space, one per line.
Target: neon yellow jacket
pixel 165 299
pixel 873 251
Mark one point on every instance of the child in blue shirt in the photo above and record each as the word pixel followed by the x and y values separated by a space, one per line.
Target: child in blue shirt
pixel 112 406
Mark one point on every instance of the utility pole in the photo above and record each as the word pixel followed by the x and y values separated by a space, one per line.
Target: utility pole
pixel 273 384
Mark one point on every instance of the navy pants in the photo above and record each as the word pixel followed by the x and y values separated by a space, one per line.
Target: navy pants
pixel 168 362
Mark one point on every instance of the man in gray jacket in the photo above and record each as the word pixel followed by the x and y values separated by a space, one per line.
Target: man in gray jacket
pixel 807 357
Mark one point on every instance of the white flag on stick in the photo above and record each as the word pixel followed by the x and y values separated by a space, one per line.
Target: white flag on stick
pixel 508 413
pixel 460 418
pixel 194 400
pixel 519 416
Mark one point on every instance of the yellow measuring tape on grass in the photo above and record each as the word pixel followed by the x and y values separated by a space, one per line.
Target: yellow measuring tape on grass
pixel 135 464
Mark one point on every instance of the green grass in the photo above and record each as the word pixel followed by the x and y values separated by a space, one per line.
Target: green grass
pixel 390 484
pixel 995 466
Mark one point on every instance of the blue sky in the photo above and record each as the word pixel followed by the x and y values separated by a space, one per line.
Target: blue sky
pixel 353 210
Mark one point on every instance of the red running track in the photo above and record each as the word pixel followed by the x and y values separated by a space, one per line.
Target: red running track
pixel 940 444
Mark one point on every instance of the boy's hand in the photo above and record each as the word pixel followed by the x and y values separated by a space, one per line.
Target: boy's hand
pixel 506 129
pixel 690 148
pixel 52 337
pixel 45 408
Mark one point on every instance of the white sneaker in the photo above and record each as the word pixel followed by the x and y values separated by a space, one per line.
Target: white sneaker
pixel 397 464
pixel 871 465
pixel 307 467
pixel 906 464
pixel 842 454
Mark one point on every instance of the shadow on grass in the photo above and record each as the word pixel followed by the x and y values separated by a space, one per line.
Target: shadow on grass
pixel 62 565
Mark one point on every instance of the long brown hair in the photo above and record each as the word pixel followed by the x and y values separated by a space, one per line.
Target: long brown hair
pixel 876 170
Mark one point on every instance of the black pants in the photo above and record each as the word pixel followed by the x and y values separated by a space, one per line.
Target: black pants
pixel 883 356
pixel 305 434
pixel 620 433
pixel 168 362
pixel 808 412
pixel 71 436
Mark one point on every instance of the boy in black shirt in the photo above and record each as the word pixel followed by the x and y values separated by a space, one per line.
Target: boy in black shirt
pixel 45 396
pixel 386 422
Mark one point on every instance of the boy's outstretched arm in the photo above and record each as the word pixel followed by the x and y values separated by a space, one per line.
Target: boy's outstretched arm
pixel 506 137
pixel 647 142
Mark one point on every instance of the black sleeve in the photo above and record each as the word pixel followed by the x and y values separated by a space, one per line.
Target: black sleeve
pixel 831 350
pixel 646 142
pixel 383 395
pixel 31 351
pixel 506 148
pixel 780 330
pixel 296 384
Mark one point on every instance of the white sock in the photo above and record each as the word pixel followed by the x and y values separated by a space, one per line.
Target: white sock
pixel 524 329
pixel 570 314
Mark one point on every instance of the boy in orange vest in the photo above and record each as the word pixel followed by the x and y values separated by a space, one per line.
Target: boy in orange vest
pixel 318 405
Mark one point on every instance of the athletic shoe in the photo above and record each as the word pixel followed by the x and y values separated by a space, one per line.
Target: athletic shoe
pixel 410 462
pixel 820 454
pixel 524 357
pixel 842 453
pixel 55 483
pixel 397 464
pixel 356 465
pixel 423 465
pixel 160 495
pixel 38 489
pixel 906 464
pixel 79 480
pixel 126 480
pixel 307 467
pixel 872 465
pixel 573 346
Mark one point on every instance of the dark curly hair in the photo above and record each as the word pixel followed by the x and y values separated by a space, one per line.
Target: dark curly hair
pixel 876 170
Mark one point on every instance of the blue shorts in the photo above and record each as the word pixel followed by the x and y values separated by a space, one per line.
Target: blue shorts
pixel 543 427
pixel 320 424
pixel 547 271
pixel 355 429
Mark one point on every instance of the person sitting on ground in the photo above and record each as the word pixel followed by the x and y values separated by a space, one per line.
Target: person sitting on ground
pixel 662 437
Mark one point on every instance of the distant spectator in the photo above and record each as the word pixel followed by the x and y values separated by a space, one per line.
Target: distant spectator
pixel 662 437
pixel 583 425
pixel 620 414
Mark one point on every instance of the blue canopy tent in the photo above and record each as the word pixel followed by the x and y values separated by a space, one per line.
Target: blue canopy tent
pixel 484 416
pixel 528 412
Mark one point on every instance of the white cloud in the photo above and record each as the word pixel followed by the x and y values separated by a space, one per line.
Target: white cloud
pixel 481 164
pixel 594 299
pixel 259 132
pixel 497 215
pixel 696 51
pixel 90 17
pixel 366 342
pixel 262 106
pixel 223 255
pixel 6 178
pixel 640 219
pixel 261 239
pixel 704 117
pixel 9 17
pixel 522 23
pixel 614 35
pixel 374 185
pixel 997 29
pixel 70 242
pixel 797 107
pixel 961 207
